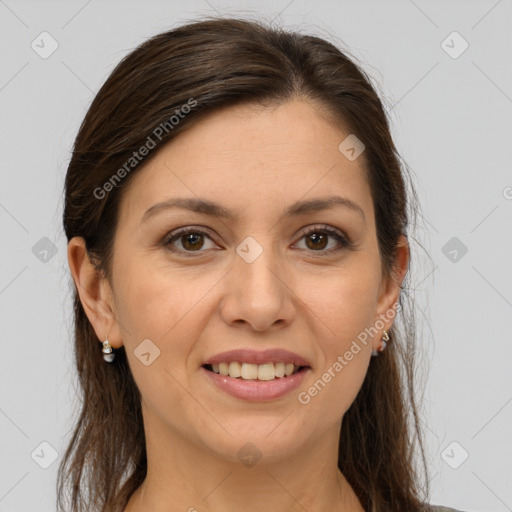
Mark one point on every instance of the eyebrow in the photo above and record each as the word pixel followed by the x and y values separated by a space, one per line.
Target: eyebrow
pixel 207 207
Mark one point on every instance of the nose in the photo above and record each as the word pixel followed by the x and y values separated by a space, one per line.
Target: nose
pixel 258 293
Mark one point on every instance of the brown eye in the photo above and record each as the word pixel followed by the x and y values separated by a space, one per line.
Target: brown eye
pixel 191 240
pixel 317 239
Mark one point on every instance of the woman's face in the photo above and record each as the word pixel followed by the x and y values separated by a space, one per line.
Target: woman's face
pixel 255 279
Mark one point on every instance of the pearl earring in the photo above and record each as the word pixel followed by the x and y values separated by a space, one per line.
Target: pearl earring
pixel 107 351
pixel 382 346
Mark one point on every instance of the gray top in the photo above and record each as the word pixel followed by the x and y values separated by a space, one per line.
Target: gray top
pixel 437 508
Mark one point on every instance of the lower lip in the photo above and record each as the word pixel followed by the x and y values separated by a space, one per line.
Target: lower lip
pixel 257 390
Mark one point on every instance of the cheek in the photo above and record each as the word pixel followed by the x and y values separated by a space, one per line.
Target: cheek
pixel 156 303
pixel 344 307
pixel 165 308
pixel 344 303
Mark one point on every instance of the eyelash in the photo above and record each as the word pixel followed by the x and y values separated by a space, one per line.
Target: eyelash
pixel 321 229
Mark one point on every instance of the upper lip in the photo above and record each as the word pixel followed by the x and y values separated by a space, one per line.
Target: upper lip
pixel 247 355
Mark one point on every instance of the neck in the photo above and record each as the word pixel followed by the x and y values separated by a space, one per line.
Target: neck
pixel 184 476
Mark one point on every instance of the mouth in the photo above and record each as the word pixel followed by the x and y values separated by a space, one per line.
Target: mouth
pixel 256 382
pixel 255 372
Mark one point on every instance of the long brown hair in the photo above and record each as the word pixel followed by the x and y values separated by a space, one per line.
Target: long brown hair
pixel 209 64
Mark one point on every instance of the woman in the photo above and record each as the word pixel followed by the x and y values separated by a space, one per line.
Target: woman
pixel 236 217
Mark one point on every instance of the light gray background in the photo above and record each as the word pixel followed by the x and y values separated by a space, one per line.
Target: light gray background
pixel 451 122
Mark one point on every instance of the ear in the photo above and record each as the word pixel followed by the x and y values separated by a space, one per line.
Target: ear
pixel 95 293
pixel 390 289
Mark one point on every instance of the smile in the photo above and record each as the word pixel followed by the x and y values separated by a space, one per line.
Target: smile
pixel 248 371
pixel 254 389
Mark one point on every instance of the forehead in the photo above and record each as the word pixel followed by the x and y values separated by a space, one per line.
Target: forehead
pixel 252 156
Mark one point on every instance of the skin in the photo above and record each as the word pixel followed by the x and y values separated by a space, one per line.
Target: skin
pixel 254 161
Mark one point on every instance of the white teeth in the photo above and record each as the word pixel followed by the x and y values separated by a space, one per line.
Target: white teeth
pixel 288 369
pixel 235 369
pixel 280 369
pixel 248 371
pixel 266 371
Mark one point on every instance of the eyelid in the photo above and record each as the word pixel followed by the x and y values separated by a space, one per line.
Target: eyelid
pixel 323 227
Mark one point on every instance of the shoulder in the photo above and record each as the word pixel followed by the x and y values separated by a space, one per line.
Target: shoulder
pixel 437 508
